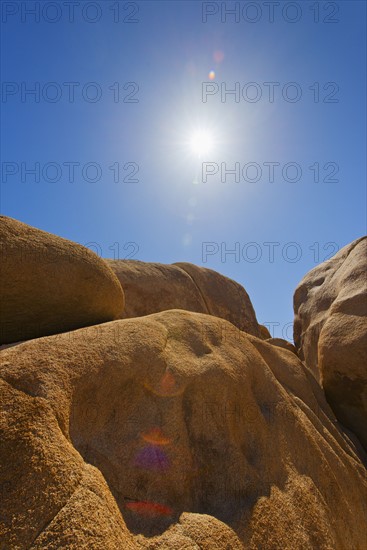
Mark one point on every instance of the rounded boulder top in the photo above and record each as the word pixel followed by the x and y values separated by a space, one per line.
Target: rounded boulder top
pixel 50 285
pixel 154 287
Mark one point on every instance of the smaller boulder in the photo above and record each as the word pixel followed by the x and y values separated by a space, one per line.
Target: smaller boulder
pixel 154 287
pixel 264 332
pixel 280 343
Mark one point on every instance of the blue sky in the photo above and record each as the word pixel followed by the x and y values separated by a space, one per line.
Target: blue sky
pixel 141 90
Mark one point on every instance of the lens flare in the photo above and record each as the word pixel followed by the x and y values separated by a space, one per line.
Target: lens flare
pixel 150 509
pixel 166 387
pixel 211 75
pixel 155 437
pixel 152 457
pixel 218 56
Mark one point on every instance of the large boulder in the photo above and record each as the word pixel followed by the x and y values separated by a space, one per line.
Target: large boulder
pixel 175 430
pixel 154 287
pixel 330 332
pixel 50 285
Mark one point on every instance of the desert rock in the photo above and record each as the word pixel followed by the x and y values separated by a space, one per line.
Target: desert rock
pixel 153 287
pixel 174 430
pixel 281 343
pixel 264 332
pixel 50 285
pixel 330 331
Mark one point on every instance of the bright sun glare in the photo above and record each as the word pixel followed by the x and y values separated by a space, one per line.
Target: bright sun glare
pixel 201 142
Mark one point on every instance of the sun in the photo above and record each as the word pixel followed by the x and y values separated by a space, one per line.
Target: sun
pixel 201 142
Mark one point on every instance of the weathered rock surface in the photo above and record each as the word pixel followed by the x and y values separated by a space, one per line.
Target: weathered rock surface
pixel 50 285
pixel 281 343
pixel 264 332
pixel 330 331
pixel 153 287
pixel 174 430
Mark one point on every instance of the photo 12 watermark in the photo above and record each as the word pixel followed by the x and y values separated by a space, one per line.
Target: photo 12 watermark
pixel 118 251
pixel 267 252
pixel 29 11
pixel 69 92
pixel 270 92
pixel 48 256
pixel 270 12
pixel 269 172
pixel 70 171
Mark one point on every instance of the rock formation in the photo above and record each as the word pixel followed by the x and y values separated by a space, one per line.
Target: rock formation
pixel 177 423
pixel 281 343
pixel 174 430
pixel 50 285
pixel 153 287
pixel 264 332
pixel 330 331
